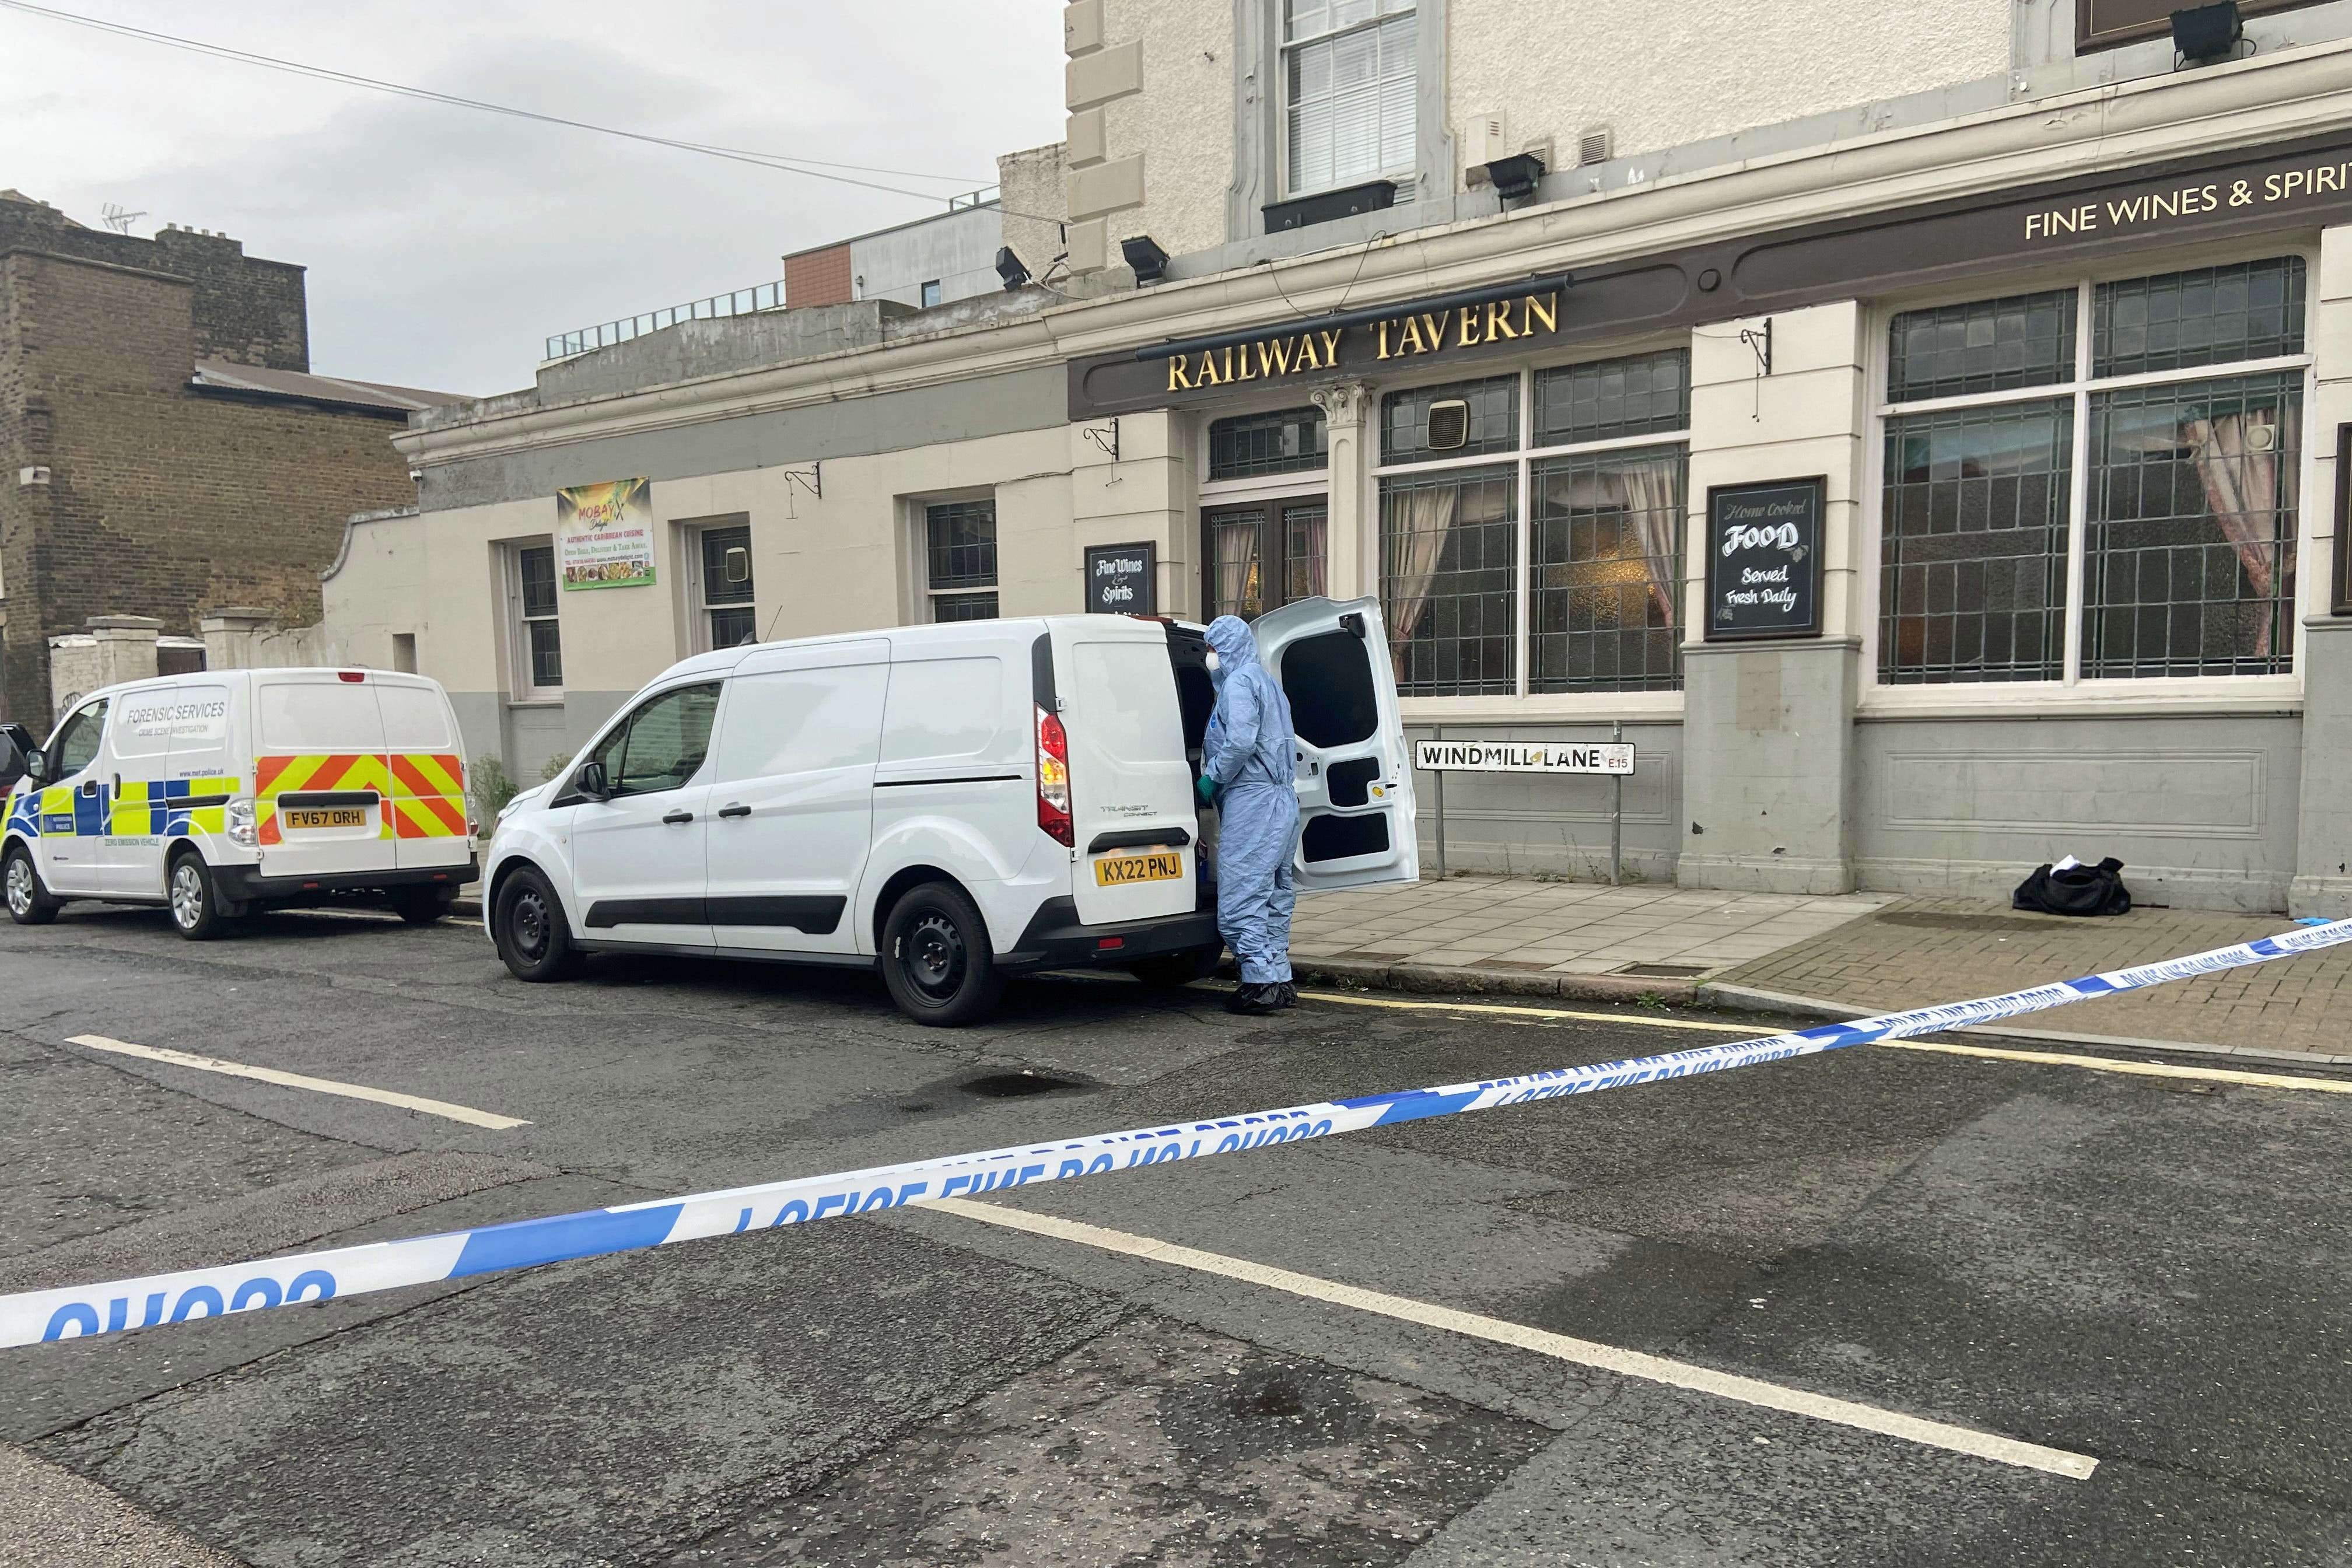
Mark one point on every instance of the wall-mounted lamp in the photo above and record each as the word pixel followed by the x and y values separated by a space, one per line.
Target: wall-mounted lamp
pixel 1009 268
pixel 2206 33
pixel 1145 257
pixel 1515 177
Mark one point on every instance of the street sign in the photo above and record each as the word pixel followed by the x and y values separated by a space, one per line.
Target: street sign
pixel 1524 757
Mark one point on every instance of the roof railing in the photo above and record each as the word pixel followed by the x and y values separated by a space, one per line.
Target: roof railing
pixel 739 302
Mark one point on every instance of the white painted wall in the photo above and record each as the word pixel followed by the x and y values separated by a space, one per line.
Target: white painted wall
pixel 1662 76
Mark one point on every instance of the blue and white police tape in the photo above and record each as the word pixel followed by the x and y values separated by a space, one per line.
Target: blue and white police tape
pixel 76 1312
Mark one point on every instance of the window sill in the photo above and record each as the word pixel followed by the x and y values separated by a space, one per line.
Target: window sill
pixel 2216 695
pixel 1571 707
pixel 537 699
pixel 1329 206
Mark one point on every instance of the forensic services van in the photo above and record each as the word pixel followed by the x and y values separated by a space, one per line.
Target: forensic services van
pixel 213 794
pixel 950 804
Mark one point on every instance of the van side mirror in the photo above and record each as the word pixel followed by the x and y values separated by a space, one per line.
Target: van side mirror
pixel 36 765
pixel 591 782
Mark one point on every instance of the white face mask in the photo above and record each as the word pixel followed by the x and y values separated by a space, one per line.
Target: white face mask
pixel 1213 662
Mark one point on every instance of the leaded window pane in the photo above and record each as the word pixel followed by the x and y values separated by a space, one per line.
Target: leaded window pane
pixel 1291 441
pixel 963 607
pixel 537 567
pixel 1643 395
pixel 2181 319
pixel 1494 420
pixel 1972 577
pixel 2190 567
pixel 1608 572
pixel 546 653
pixel 1986 345
pixel 1449 551
pixel 1237 564
pixel 962 544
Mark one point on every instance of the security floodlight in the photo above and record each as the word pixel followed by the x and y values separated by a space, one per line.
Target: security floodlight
pixel 2204 33
pixel 1009 268
pixel 1144 255
pixel 1515 177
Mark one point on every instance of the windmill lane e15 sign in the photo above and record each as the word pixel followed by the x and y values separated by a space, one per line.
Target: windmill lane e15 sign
pixel 1764 561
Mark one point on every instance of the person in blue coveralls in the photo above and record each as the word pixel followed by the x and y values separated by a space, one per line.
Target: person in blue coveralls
pixel 1249 765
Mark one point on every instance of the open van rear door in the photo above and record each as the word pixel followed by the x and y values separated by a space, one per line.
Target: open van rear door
pixel 1355 774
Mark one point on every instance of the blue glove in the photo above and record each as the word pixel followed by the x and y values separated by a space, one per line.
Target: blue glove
pixel 1206 788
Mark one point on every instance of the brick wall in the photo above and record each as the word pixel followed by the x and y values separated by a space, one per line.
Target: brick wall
pixel 244 308
pixel 162 501
pixel 818 277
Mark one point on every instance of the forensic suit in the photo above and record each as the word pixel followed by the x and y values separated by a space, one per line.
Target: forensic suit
pixel 1250 759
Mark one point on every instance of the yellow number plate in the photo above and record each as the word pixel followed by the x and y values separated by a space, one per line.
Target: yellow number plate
pixel 326 817
pixel 1165 867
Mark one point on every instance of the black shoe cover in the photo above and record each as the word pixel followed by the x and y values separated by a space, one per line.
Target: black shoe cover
pixel 1255 1001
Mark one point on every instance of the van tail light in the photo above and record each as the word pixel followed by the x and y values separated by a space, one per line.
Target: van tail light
pixel 1054 779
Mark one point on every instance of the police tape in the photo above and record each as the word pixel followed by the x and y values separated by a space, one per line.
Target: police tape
pixel 76 1312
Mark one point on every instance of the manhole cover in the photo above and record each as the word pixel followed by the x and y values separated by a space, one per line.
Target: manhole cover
pixel 1663 971
pixel 1017 1085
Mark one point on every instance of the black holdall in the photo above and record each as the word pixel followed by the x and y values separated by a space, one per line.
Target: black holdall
pixel 2075 889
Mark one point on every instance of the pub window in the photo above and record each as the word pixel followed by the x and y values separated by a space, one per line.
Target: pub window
pixel 539 634
pixel 2078 488
pixel 960 559
pixel 1266 554
pixel 2105 24
pixel 723 586
pixel 1591 514
pixel 1348 93
pixel 1292 441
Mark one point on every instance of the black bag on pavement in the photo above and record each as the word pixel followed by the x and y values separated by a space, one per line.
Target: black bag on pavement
pixel 2076 891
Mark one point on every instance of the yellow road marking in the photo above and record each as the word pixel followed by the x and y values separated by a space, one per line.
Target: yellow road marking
pixel 441 1107
pixel 2046 1058
pixel 1561 1347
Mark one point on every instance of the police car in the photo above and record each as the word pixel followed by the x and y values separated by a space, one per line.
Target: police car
pixel 214 794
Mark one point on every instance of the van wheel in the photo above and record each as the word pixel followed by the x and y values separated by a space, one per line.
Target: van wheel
pixel 419 906
pixel 937 959
pixel 197 911
pixel 533 937
pixel 1170 969
pixel 29 903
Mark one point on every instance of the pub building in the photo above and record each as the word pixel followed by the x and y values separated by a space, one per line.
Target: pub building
pixel 1923 505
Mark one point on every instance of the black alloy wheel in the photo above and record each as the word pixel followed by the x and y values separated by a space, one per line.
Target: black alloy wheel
pixel 937 960
pixel 533 938
pixel 29 903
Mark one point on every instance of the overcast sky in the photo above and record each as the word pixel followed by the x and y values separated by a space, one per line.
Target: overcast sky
pixel 445 244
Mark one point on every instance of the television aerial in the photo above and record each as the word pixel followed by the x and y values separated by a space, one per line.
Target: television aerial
pixel 120 218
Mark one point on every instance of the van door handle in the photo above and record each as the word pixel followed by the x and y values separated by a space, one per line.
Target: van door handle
pixel 675 817
pixel 89 787
pixel 736 809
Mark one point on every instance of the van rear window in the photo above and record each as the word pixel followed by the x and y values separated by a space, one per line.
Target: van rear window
pixel 415 719
pixel 943 709
pixel 318 716
pixel 1125 695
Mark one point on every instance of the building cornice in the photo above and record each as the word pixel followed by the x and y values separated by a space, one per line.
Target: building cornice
pixel 2280 98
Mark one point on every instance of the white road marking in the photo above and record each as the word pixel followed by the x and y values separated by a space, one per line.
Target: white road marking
pixel 2047 1059
pixel 441 1107
pixel 1583 1352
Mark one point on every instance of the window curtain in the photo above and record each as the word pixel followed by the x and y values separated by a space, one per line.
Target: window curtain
pixel 1652 489
pixel 1418 524
pixel 1306 575
pixel 1239 579
pixel 2241 486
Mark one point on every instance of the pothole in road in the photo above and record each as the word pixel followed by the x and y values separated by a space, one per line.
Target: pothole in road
pixel 1017 1085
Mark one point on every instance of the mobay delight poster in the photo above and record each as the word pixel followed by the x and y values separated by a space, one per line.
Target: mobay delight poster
pixel 604 534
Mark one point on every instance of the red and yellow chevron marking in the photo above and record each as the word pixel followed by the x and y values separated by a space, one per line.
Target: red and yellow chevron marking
pixel 351 771
pixel 428 795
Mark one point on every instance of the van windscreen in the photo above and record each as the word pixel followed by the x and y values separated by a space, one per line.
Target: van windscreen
pixel 311 717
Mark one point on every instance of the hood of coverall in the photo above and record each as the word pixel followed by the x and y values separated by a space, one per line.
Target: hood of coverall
pixel 1236 649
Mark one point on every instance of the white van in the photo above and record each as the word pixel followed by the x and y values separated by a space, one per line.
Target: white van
pixel 213 792
pixel 950 803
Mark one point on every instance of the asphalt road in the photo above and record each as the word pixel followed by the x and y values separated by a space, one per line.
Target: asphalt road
pixel 2149 1272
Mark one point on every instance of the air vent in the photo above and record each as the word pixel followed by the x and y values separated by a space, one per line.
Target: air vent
pixel 1597 145
pixel 1449 424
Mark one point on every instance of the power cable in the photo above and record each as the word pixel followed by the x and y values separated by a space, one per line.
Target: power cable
pixel 787 163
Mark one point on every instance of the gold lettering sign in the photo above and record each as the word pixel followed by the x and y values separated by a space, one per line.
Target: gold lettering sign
pixel 1399 337
pixel 2119 214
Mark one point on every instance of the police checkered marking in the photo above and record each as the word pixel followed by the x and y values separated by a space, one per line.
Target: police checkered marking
pixel 73 1312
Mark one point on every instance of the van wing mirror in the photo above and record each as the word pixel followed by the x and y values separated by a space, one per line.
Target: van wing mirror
pixel 591 782
pixel 36 765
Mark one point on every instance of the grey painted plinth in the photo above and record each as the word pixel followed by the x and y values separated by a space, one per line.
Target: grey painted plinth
pixel 2323 861
pixel 1768 761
